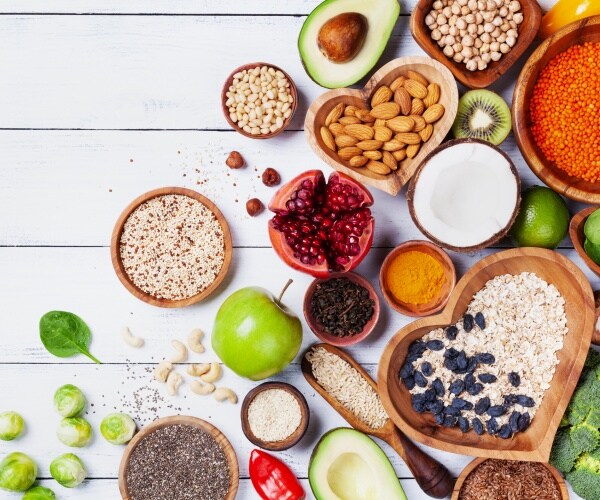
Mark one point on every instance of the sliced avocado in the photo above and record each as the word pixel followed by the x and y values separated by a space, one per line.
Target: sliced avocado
pixel 380 16
pixel 348 465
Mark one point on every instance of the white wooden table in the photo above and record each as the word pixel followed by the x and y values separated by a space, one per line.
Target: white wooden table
pixel 101 101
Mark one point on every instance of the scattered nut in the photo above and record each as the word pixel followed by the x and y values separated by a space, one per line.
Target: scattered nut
pixel 197 370
pixel 194 340
pixel 271 177
pixel 161 372
pixel 181 353
pixel 235 160
pixel 254 207
pixel 174 381
pixel 224 393
pixel 131 339
pixel 213 374
pixel 200 388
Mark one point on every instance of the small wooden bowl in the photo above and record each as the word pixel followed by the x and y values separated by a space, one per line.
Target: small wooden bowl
pixel 586 30
pixel 223 442
pixel 392 183
pixel 292 91
pixel 535 443
pixel 291 440
pixel 578 237
pixel 532 17
pixel 332 339
pixel 478 461
pixel 438 302
pixel 117 262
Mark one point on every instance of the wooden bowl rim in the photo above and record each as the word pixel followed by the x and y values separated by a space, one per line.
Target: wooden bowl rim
pixel 331 339
pixel 442 257
pixel 118 263
pixel 199 423
pixel 576 224
pixel 415 178
pixel 542 452
pixel 496 69
pixel 293 438
pixel 286 121
pixel 476 462
pixel 542 168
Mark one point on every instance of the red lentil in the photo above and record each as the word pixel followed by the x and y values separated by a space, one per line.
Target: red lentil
pixel 565 111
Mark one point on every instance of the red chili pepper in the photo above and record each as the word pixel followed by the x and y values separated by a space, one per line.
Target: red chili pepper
pixel 272 479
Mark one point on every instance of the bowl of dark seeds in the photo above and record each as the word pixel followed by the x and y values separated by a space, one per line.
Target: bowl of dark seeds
pixel 342 309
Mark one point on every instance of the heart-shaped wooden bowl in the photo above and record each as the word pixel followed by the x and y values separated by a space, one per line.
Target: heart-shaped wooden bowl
pixel 432 70
pixel 586 30
pixel 535 443
pixel 578 237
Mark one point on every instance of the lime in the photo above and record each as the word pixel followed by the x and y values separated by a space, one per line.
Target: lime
pixel 592 227
pixel 592 251
pixel 543 219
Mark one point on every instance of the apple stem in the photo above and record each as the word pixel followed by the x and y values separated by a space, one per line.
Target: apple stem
pixel 290 281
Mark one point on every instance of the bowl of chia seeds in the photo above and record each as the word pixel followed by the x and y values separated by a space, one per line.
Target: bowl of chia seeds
pixel 341 309
pixel 179 458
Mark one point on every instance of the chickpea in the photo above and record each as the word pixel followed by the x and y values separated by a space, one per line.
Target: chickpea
pixel 495 46
pixel 465 10
pixel 512 32
pixel 472 65
pixel 447 12
pixel 455 9
pixel 453 31
pixel 436 35
pixel 438 5
pixel 486 38
pixel 468 41
pixel 480 30
pixel 518 18
pixel 429 20
pixel 511 41
pixel 514 6
pixel 461 24
pixel 441 19
pixel 448 51
pixel 472 4
pixel 445 29
pixel 478 43
pixel 502 38
pixel 486 58
pixel 472 29
pixel 481 65
pixel 458 57
pixel 496 56
pixel 504 48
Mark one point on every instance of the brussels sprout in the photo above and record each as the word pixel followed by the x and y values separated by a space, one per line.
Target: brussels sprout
pixel 74 431
pixel 11 425
pixel 39 493
pixel 68 470
pixel 69 401
pixel 117 428
pixel 17 472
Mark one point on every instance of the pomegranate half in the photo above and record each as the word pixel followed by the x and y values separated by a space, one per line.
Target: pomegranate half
pixel 321 227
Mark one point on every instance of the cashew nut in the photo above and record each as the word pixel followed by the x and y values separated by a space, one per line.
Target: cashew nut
pixel 194 340
pixel 131 339
pixel 213 374
pixel 181 353
pixel 174 380
pixel 161 373
pixel 198 370
pixel 198 387
pixel 224 393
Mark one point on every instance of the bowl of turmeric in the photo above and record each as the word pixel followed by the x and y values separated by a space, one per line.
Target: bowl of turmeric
pixel 416 278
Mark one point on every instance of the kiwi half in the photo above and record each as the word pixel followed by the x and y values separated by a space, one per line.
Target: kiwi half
pixel 484 115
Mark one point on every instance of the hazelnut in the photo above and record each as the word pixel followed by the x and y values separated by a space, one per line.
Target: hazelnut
pixel 235 160
pixel 271 177
pixel 254 206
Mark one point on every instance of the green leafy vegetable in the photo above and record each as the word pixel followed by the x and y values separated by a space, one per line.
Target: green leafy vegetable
pixel 64 334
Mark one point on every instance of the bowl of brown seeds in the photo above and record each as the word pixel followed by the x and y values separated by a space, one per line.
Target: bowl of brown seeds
pixel 171 247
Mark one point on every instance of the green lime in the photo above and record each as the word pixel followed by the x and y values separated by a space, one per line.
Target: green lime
pixel 592 251
pixel 543 219
pixel 591 227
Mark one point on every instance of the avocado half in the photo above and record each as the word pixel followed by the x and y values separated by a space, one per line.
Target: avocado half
pixel 381 16
pixel 348 465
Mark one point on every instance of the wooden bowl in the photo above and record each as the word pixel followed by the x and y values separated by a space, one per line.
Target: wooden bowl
pixel 291 440
pixel 292 91
pixel 317 329
pixel 532 16
pixel 535 443
pixel 578 237
pixel 182 420
pixel 478 461
pixel 586 30
pixel 117 262
pixel 392 183
pixel 418 310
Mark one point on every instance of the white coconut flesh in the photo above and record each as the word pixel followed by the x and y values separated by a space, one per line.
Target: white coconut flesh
pixel 465 195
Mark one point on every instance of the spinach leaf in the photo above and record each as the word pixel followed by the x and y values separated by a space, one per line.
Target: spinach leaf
pixel 64 334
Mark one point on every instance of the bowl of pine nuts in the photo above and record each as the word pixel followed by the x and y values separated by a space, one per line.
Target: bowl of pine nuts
pixel 259 100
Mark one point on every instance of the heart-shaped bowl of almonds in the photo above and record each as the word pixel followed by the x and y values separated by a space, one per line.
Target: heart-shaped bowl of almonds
pixel 381 133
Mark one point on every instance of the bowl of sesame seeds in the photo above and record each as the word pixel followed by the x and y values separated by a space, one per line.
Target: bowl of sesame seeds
pixel 171 247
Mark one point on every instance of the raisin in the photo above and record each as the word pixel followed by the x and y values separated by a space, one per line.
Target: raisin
pixel 439 418
pixel 429 394
pixel 480 320
pixel 456 387
pixel 426 369
pixel 463 424
pixel 471 365
pixel 418 407
pixel 461 360
pixel 491 426
pixel 475 389
pixel 451 332
pixel 468 322
pixel 510 399
pixel 438 387
pixel 420 380
pixel 513 421
pixel 485 358
pixel 435 407
pixel 525 401
pixel 477 426
pixel 496 410
pixel 449 421
pixel 505 432
pixel 435 345
pixel 417 347
pixel 482 405
pixel 487 378
pixel 524 421
pixel 462 404
pixel 451 410
pixel 469 380
pixel 451 353
pixel 514 379
pixel 418 398
pixel 450 364
pixel 409 382
pixel 406 370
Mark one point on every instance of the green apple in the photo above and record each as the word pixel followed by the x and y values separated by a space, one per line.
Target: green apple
pixel 254 334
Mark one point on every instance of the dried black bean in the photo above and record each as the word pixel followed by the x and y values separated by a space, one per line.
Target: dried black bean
pixel 451 353
pixel 467 322
pixel 480 320
pixel 462 404
pixel 525 401
pixel 426 368
pixel 406 370
pixel 505 432
pixel 409 382
pixel 463 424
pixel 420 380
pixel 475 389
pixel 482 405
pixel 513 421
pixel 485 358
pixel 461 360
pixel 456 386
pixel 449 421
pixel 496 410
pixel 451 332
pixel 491 426
pixel 487 378
pixel 514 379
pixel 524 421
pixel 477 426
pixel 469 380
pixel 435 345
pixel 451 410
pixel 438 386
pixel 435 407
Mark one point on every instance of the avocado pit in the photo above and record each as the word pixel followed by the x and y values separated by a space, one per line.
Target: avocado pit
pixel 342 36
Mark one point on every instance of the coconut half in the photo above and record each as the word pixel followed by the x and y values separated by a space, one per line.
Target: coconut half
pixel 465 195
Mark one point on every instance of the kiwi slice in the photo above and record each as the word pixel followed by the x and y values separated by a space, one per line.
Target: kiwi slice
pixel 482 114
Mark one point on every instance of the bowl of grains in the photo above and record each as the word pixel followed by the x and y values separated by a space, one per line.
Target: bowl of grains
pixel 274 416
pixel 259 100
pixel 171 247
pixel 492 374
pixel 498 479
pixel 179 458
pixel 555 111
pixel 341 309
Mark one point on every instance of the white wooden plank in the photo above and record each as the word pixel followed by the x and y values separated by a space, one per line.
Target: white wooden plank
pixel 68 187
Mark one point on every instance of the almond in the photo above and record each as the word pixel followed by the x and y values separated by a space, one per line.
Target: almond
pixel 347 153
pixel 434 113
pixel 408 138
pixel 415 88
pixel 369 145
pixel 372 155
pixel 335 114
pixel 379 123
pixel 392 145
pixel 383 133
pixel 389 160
pixel 401 124
pixel 336 129
pixel 386 111
pixel 413 75
pixel 433 95
pixel 381 95
pixel 417 107
pixel 349 120
pixel 358 161
pixel 350 110
pixel 378 168
pixel 412 150
pixel 364 115
pixel 397 83
pixel 399 155
pixel 359 131
pixel 402 97
pixel 426 133
pixel 345 141
pixel 327 138
pixel 420 123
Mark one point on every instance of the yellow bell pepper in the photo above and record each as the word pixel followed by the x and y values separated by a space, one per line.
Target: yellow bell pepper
pixel 565 12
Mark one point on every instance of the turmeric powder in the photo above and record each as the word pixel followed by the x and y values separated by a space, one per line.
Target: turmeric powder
pixel 415 278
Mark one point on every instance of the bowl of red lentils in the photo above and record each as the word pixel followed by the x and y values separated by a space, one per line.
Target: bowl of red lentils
pixel 556 111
